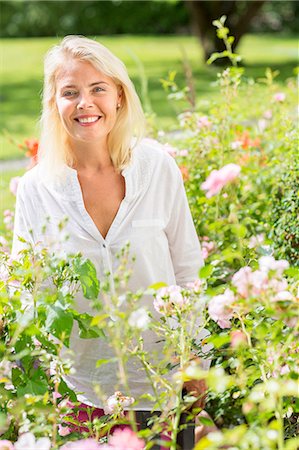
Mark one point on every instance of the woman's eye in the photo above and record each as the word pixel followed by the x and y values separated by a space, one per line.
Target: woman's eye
pixel 98 89
pixel 69 93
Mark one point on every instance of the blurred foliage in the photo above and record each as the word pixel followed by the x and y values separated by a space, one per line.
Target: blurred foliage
pixel 23 18
pixel 285 213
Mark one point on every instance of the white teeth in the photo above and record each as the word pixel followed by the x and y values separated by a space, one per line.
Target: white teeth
pixel 87 119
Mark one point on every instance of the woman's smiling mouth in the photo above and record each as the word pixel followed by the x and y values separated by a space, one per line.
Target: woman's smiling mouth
pixel 87 120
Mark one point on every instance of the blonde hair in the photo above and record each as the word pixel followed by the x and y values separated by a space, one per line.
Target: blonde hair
pixel 54 149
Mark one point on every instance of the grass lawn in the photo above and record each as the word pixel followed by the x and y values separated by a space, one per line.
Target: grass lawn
pixel 22 74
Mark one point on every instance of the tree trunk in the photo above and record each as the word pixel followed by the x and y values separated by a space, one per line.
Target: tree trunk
pixel 204 12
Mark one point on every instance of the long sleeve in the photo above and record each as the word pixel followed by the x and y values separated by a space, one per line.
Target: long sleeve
pixel 183 241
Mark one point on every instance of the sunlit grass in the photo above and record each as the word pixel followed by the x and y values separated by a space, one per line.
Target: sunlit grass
pixel 22 74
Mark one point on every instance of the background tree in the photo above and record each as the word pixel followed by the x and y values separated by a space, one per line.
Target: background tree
pixel 239 17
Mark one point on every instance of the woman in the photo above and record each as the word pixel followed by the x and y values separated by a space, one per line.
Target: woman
pixel 114 187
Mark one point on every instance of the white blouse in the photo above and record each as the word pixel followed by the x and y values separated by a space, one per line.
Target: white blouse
pixel 154 217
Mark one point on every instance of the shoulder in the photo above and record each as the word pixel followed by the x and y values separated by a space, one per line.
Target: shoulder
pixel 155 157
pixel 30 181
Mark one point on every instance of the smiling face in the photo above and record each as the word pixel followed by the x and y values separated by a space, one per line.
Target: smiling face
pixel 87 102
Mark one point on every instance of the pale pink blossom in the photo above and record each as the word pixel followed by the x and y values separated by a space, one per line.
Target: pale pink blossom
pixel 184 118
pixel 13 185
pixel 279 97
pixel 184 152
pixel 283 296
pixel 262 125
pixel 8 219
pixel 6 445
pixel 4 273
pixel 259 282
pixel 82 444
pixel 171 150
pixel 284 369
pixel 220 310
pixel 195 286
pixel 219 178
pixel 237 338
pixel 140 319
pixel 242 281
pixel 207 248
pixel 56 395
pixel 169 298
pixel 236 145
pixel 257 240
pixel 125 439
pixel 27 441
pixel 4 247
pixel 267 263
pixel 63 430
pixel 204 122
pixel 117 402
pixel 268 114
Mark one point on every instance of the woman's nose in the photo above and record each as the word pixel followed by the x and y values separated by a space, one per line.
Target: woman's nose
pixel 84 101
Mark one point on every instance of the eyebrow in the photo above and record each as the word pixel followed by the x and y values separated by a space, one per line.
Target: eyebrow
pixel 91 85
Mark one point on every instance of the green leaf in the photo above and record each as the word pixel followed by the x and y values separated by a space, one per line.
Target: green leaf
pixel 37 384
pixel 239 230
pixel 292 272
pixel 157 286
pixel 88 278
pixel 206 271
pixel 86 330
pixel 206 421
pixel 100 362
pixel 218 341
pixel 60 323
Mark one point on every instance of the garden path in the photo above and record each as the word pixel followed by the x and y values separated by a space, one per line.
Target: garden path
pixel 14 164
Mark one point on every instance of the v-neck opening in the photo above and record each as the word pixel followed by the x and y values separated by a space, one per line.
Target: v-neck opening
pixel 89 222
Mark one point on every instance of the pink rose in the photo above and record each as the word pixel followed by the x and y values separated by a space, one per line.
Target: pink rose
pixel 13 185
pixel 267 263
pixel 237 338
pixel 268 114
pixel 207 248
pixel 184 152
pixel 63 431
pixel 220 178
pixel 220 309
pixel 195 286
pixel 279 97
pixel 6 445
pixel 125 439
pixel 242 281
pixel 203 122
pixel 169 298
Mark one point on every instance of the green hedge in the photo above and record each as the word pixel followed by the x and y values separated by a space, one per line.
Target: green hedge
pixel 286 214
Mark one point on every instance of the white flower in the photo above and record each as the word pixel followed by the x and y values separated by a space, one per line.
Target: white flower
pixel 257 240
pixel 117 402
pixel 27 442
pixel 283 295
pixel 170 299
pixel 267 263
pixel 139 319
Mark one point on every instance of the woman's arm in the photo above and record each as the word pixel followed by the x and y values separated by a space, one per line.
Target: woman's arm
pixel 182 237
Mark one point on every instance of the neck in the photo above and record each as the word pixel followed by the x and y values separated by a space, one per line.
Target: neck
pixel 91 157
